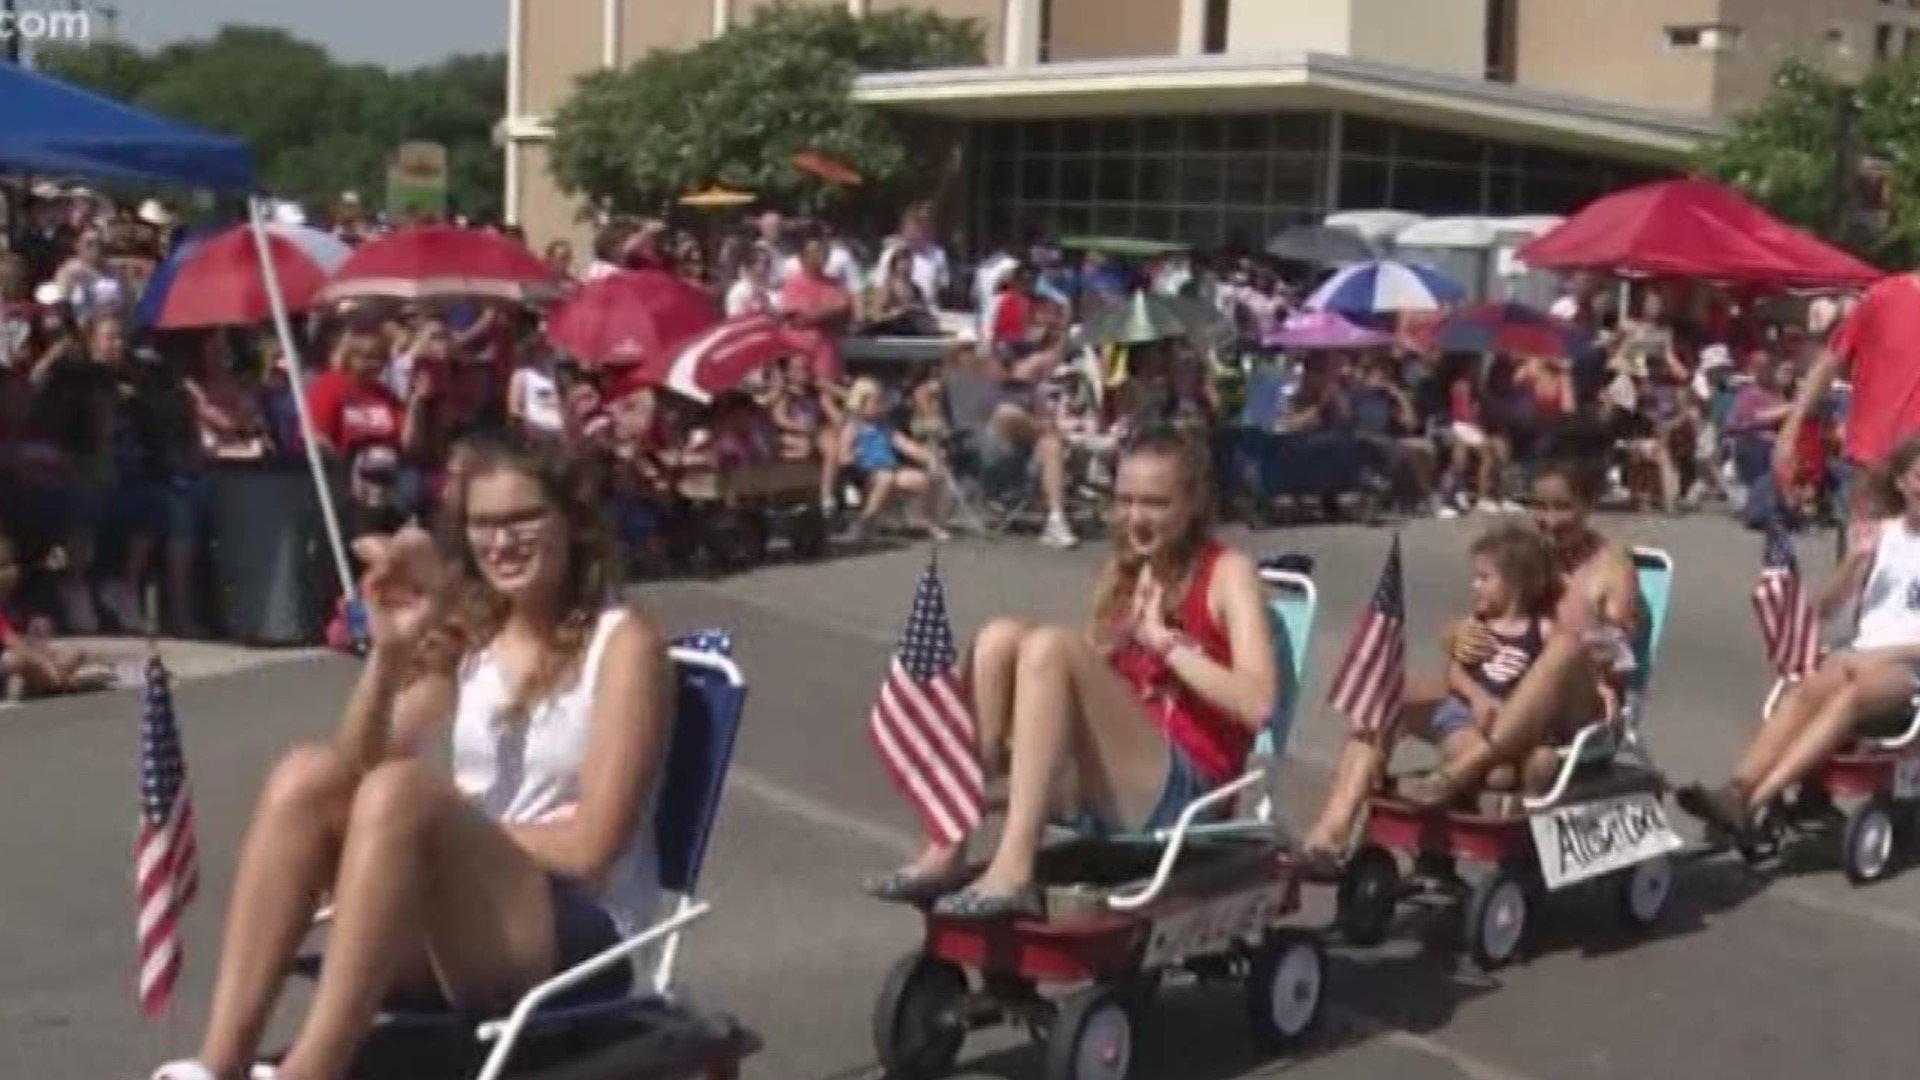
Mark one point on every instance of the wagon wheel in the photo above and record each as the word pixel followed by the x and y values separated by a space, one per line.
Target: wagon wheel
pixel 1870 844
pixel 1643 892
pixel 1092 1037
pixel 1497 915
pixel 1286 990
pixel 917 1026
pixel 1369 893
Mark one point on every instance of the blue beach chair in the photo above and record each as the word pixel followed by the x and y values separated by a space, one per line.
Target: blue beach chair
pixel 709 703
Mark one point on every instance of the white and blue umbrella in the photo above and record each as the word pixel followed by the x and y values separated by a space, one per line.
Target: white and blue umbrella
pixel 1385 286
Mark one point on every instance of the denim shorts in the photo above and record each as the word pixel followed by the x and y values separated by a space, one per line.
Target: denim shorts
pixel 1450 717
pixel 581 930
pixel 1183 785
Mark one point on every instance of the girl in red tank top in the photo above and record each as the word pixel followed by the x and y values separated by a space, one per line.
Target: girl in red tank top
pixel 1125 721
pixel 1216 744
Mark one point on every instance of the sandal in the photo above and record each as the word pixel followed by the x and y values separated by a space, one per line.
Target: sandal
pixel 1322 866
pixel 908 887
pixel 975 906
pixel 1719 808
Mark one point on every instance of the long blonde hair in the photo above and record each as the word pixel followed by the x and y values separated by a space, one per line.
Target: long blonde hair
pixel 477 611
pixel 1120 575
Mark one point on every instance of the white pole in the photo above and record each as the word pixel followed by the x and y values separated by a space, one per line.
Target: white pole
pixel 285 329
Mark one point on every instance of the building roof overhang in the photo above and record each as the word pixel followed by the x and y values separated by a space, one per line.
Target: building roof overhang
pixel 1215 84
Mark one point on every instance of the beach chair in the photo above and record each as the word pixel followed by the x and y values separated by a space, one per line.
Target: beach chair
pixel 709 703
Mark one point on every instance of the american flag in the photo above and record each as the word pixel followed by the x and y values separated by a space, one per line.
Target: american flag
pixel 922 727
pixel 1789 628
pixel 1372 676
pixel 165 863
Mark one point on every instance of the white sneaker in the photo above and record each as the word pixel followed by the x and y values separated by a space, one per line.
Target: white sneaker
pixel 1508 506
pixel 1488 506
pixel 1058 534
pixel 1447 512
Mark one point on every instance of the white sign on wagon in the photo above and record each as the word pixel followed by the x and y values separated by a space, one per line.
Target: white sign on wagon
pixel 1584 841
pixel 1211 927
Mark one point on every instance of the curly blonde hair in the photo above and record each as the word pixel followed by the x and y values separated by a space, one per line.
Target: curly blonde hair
pixel 1120 574
pixel 591 577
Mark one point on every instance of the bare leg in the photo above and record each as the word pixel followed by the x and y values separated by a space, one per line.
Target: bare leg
pixel 1878 689
pixel 1358 772
pixel 1796 709
pixel 421 867
pixel 1073 718
pixel 1051 452
pixel 287 859
pixel 880 487
pixel 990 666
pixel 1560 684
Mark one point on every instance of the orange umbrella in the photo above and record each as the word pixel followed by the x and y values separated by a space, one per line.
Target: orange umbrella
pixel 716 197
pixel 826 168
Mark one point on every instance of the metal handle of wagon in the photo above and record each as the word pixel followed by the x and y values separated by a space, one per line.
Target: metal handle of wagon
pixel 1176 837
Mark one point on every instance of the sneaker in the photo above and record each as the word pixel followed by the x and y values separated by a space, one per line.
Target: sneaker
pixel 1508 506
pixel 1447 512
pixel 1489 506
pixel 1058 534
pixel 938 535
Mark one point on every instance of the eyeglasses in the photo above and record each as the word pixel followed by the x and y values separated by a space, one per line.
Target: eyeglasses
pixel 520 529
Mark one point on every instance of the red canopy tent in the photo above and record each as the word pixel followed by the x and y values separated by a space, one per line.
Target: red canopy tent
pixel 1694 228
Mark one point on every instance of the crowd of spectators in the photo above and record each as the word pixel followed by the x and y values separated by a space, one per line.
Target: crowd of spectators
pixel 109 433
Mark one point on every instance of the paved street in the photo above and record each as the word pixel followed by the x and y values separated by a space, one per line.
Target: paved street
pixel 1796 976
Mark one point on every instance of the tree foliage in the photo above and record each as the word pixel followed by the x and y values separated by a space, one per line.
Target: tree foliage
pixel 735 110
pixel 316 126
pixel 1784 152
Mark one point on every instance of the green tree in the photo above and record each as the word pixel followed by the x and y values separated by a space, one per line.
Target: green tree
pixel 316 126
pixel 735 110
pixel 1784 151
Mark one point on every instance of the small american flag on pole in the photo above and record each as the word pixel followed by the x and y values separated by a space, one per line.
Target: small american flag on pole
pixel 1372 676
pixel 922 727
pixel 1789 628
pixel 165 862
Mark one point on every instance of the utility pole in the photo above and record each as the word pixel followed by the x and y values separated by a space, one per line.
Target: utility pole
pixel 1840 208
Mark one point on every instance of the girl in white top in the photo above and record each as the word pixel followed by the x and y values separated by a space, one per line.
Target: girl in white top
pixel 534 854
pixel 1870 682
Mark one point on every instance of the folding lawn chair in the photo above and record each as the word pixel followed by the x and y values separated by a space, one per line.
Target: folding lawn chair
pixel 709 703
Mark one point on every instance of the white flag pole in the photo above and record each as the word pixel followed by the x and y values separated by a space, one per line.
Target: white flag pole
pixel 282 327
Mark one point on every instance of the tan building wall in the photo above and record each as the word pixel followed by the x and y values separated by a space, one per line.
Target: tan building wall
pixel 1447 36
pixel 1273 26
pixel 545 211
pixel 564 39
pixel 1620 50
pixel 1836 34
pixel 1112 29
pixel 649 25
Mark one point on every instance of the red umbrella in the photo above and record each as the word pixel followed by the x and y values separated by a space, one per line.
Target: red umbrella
pixel 720 359
pixel 637 316
pixel 217 281
pixel 829 169
pixel 1693 228
pixel 438 263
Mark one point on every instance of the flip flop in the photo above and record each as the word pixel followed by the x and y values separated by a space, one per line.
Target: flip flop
pixel 907 887
pixel 1707 807
pixel 978 907
pixel 1322 866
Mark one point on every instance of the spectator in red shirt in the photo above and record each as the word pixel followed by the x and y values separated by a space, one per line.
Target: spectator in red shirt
pixel 359 420
pixel 1873 348
pixel 818 308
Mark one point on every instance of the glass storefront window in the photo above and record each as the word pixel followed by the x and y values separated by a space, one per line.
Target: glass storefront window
pixel 1076 136
pixel 1246 179
pixel 1160 133
pixel 1036 179
pixel 1154 223
pixel 1365 184
pixel 1156 180
pixel 1250 133
pixel 1201 178
pixel 1114 178
pixel 1203 133
pixel 1118 136
pixel 1076 180
pixel 1297 180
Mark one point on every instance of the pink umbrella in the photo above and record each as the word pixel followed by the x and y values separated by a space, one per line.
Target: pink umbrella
pixel 1318 331
pixel 437 263
pixel 633 317
pixel 721 358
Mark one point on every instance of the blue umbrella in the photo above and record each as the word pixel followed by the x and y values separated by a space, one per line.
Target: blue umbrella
pixel 1385 286
pixel 147 312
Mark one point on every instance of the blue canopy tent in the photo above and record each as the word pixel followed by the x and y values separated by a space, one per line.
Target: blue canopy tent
pixel 47 126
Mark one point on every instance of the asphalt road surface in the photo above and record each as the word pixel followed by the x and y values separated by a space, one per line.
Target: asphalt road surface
pixel 1787 975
